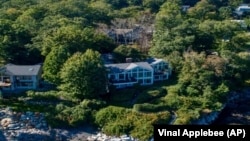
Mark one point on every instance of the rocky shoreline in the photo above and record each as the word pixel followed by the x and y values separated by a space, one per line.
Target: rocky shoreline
pixel 234 112
pixel 237 111
pixel 32 126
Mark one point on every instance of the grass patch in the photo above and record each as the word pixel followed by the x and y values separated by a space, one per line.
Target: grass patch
pixel 147 107
pixel 49 95
pixel 150 94
pixel 21 106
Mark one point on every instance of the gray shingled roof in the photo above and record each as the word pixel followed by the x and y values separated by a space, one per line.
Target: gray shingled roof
pixel 120 67
pixel 12 69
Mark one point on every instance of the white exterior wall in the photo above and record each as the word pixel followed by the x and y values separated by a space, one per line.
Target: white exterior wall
pixel 33 80
pixel 158 67
pixel 134 73
pixel 14 86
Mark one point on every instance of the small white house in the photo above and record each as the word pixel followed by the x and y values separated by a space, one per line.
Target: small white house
pixel 20 77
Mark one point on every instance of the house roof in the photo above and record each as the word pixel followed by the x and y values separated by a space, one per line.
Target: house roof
pixel 121 67
pixel 153 61
pixel 12 69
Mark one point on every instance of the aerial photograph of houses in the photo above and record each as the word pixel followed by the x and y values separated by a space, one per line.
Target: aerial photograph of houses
pixel 112 70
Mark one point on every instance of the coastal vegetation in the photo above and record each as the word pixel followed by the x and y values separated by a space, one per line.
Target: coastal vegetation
pixel 206 47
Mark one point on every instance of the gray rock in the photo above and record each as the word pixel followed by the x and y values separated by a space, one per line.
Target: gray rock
pixel 11 125
pixel 16 128
pixel 126 139
pixel 6 121
pixel 115 139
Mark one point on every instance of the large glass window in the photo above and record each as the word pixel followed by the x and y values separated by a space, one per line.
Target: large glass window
pixel 147 74
pixel 156 77
pixel 25 84
pixel 112 76
pixel 121 76
pixel 23 77
pixel 134 70
pixel 134 74
pixel 140 74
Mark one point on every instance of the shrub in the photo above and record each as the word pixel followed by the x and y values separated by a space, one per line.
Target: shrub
pixel 109 114
pixel 79 116
pixel 143 132
pixel 60 107
pixel 147 107
pixel 93 104
pixel 186 116
pixel 118 127
pixel 72 116
pixel 117 121
pixel 172 100
pixel 49 95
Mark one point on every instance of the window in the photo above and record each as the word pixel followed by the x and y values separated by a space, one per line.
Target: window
pixel 24 77
pixel 134 70
pixel 164 76
pixel 147 81
pixel 121 76
pixel 140 74
pixel 112 76
pixel 25 84
pixel 166 66
pixel 140 70
pixel 134 75
pixel 147 74
pixel 156 77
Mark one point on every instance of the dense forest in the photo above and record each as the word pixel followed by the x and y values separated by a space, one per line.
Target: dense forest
pixel 205 46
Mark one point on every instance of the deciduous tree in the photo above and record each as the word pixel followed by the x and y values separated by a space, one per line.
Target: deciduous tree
pixel 83 75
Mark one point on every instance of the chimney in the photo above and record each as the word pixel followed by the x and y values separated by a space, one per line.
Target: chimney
pixel 128 60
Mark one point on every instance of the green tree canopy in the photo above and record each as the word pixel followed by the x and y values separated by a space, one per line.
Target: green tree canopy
pixel 203 10
pixel 84 75
pixel 122 52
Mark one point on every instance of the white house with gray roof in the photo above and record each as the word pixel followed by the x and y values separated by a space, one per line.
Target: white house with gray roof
pixel 241 9
pixel 144 73
pixel 161 68
pixel 20 77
